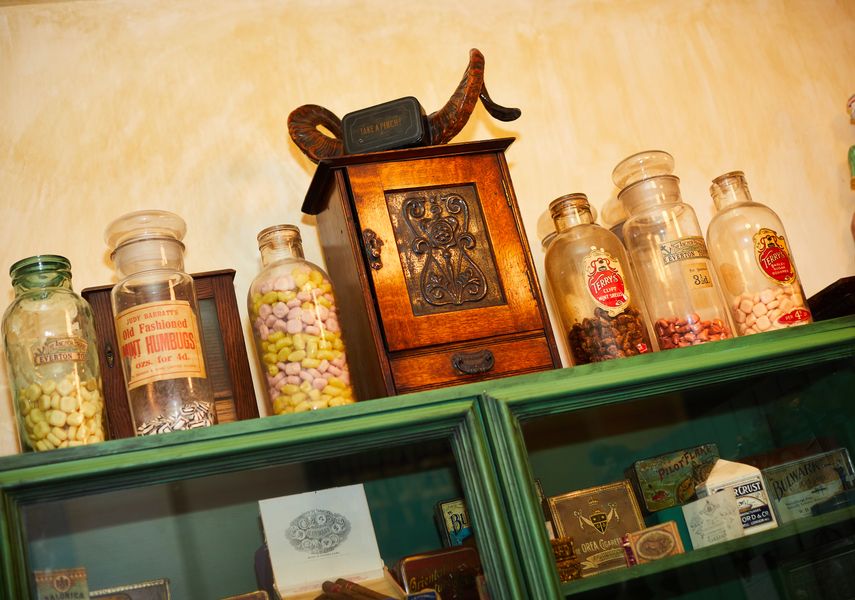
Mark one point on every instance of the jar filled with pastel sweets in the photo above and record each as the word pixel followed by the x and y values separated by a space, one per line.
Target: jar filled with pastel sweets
pixel 753 260
pixel 296 328
pixel 52 359
pixel 157 325
pixel 592 287
pixel 669 254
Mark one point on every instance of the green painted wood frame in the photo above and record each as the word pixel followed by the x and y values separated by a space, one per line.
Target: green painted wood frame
pixel 551 393
pixel 452 414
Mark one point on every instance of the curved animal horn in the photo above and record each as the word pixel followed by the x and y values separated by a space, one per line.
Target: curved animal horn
pixel 303 125
pixel 451 118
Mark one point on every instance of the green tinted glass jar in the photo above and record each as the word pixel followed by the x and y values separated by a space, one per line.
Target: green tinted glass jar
pixel 52 358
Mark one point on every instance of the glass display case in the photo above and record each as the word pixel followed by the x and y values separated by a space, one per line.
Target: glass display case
pixel 761 399
pixel 185 505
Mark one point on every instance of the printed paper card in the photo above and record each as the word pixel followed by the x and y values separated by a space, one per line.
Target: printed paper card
pixel 316 536
pixel 713 519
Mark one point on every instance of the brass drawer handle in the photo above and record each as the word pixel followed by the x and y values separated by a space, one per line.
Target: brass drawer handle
pixel 373 244
pixel 472 363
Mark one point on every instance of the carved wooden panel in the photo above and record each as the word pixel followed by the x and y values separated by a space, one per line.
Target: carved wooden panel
pixel 445 249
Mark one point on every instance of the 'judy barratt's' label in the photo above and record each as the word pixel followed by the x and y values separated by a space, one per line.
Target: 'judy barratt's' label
pixel 605 281
pixel 159 341
pixel 60 349
pixel 773 258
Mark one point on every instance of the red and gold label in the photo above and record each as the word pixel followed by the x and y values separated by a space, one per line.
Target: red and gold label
pixel 604 278
pixel 770 249
pixel 159 341
pixel 797 315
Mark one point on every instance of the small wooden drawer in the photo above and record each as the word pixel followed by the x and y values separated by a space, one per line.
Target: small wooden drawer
pixel 476 361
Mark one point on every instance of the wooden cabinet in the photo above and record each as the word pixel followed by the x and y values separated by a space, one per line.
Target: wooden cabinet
pixel 431 267
pixel 184 505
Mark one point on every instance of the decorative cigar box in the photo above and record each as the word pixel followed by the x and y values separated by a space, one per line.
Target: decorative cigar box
pixel 795 487
pixel 400 123
pixel 562 549
pixel 156 589
pixel 451 572
pixel 453 522
pixel 652 543
pixel 62 583
pixel 596 518
pixel 670 479
pixel 259 595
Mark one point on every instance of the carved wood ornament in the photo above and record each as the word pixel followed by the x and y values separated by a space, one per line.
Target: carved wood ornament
pixel 444 124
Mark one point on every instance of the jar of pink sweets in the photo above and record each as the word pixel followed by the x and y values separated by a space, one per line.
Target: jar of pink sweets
pixel 295 326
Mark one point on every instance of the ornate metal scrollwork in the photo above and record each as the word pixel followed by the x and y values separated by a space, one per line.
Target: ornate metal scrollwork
pixel 440 226
pixel 472 363
pixel 373 245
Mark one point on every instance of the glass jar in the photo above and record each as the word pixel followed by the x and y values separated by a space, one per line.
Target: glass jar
pixel 51 351
pixel 753 261
pixel 669 254
pixel 295 326
pixel 592 287
pixel 157 324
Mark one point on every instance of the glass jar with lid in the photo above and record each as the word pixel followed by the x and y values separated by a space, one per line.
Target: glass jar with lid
pixel 296 329
pixel 753 260
pixel 51 352
pixel 157 324
pixel 595 292
pixel 668 252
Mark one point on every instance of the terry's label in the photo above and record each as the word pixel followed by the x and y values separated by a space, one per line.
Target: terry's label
pixel 60 349
pixel 772 256
pixel 685 248
pixel 604 277
pixel 158 341
pixel 797 315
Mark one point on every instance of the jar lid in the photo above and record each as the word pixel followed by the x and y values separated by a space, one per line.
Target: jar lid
pixel 286 230
pixel 144 224
pixel 641 166
pixel 39 264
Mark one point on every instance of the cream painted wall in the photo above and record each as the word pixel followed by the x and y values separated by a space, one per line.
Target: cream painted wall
pixel 108 106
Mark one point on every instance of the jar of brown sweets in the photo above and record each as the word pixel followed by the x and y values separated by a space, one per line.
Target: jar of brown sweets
pixel 592 286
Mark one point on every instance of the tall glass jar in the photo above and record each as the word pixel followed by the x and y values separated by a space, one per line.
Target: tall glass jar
pixel 157 324
pixel 52 357
pixel 592 287
pixel 295 326
pixel 753 260
pixel 669 254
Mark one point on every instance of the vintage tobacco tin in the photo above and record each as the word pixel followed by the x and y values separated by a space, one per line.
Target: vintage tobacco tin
pixel 452 572
pixel 395 124
pixel 669 479
pixel 61 583
pixel 596 518
pixel 796 486
pixel 453 522
pixel 652 543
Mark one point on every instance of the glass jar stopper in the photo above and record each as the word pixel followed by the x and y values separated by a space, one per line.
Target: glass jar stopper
pixel 641 166
pixel 144 224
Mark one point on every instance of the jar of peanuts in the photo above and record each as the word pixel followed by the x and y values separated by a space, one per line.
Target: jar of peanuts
pixel 593 287
pixel 295 326
pixel 669 254
pixel 52 357
pixel 753 260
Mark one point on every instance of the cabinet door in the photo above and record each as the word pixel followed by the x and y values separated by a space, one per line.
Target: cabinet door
pixel 443 245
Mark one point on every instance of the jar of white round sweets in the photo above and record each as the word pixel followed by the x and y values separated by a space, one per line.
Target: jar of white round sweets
pixel 753 260
pixel 296 329
pixel 157 324
pixel 49 336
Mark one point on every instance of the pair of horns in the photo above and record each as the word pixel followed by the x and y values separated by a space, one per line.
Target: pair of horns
pixel 444 124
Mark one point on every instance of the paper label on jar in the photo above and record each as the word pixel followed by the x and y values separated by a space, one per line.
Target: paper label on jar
pixel 159 341
pixel 686 248
pixel 698 275
pixel 773 258
pixel 605 281
pixel 60 349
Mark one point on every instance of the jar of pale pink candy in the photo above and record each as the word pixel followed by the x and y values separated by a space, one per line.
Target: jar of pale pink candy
pixel 296 329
